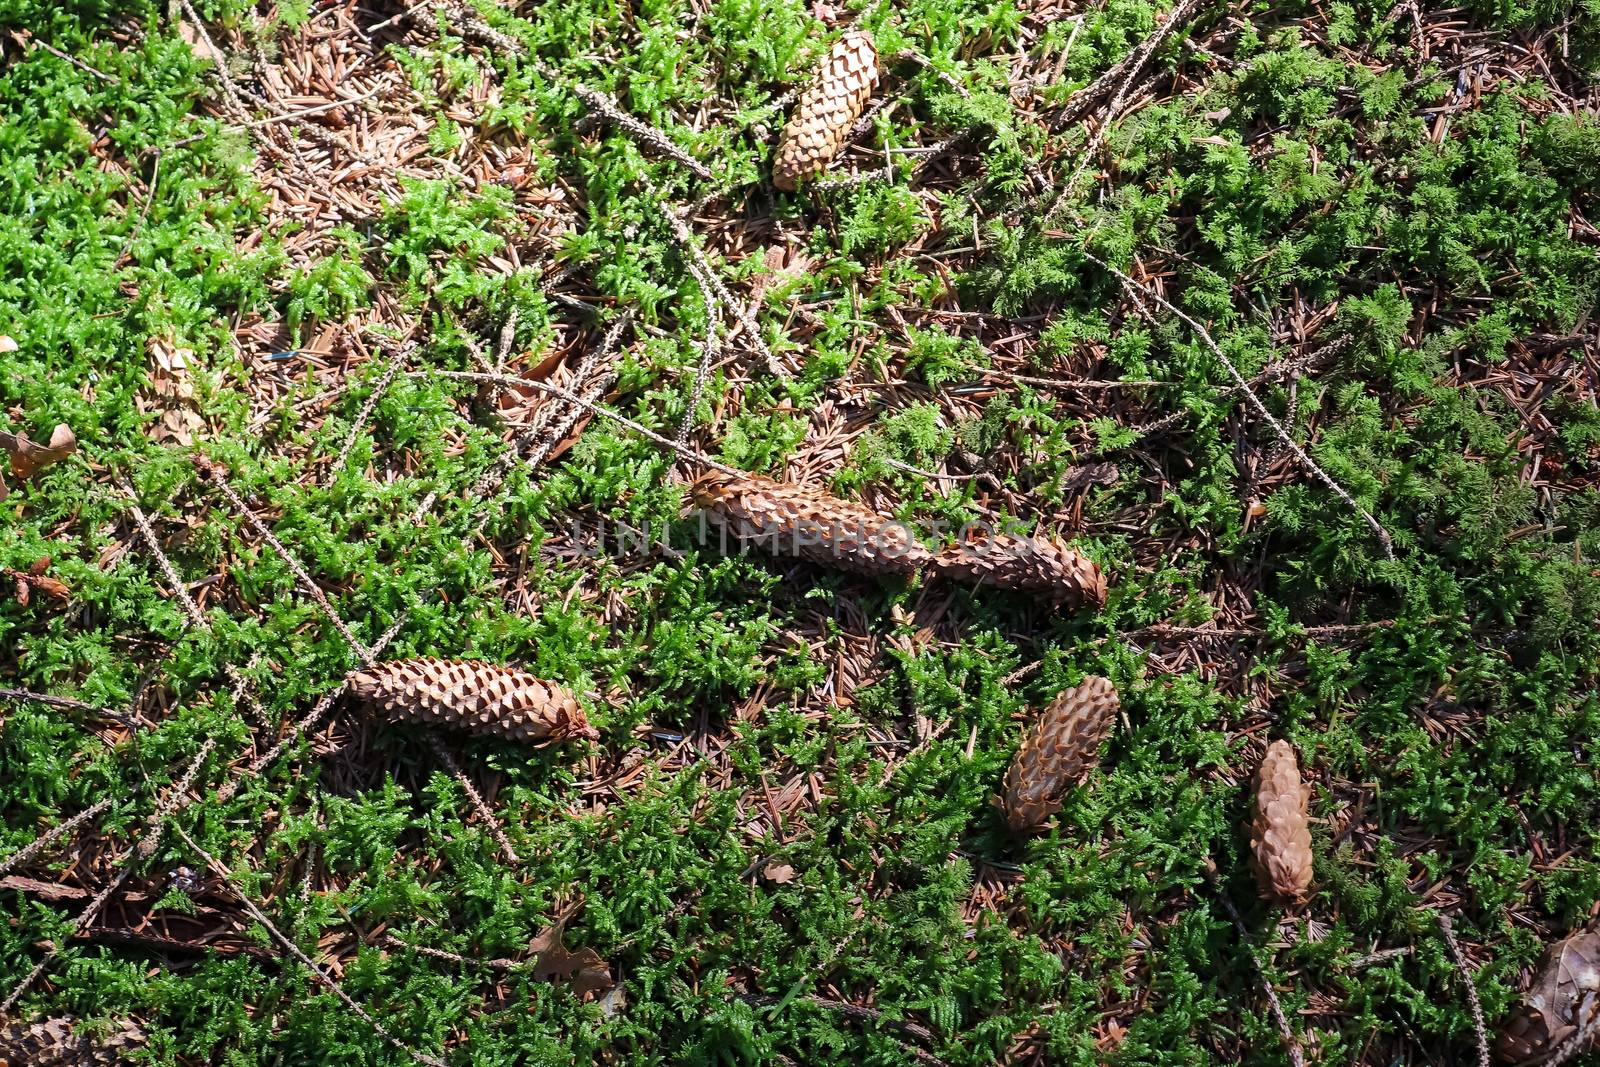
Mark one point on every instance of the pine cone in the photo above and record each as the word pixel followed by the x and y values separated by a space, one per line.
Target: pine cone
pixel 828 108
pixel 481 698
pixel 56 1043
pixel 1280 836
pixel 796 520
pixel 1063 747
pixel 1565 997
pixel 1030 564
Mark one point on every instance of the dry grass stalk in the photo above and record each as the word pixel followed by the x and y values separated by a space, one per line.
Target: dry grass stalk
pixel 798 520
pixel 1280 834
pixel 828 108
pixel 480 698
pixel 1062 748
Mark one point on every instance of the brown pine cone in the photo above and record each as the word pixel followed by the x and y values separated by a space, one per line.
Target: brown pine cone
pixel 56 1043
pixel 827 109
pixel 481 698
pixel 796 520
pixel 1063 747
pixel 1280 835
pixel 1565 997
pixel 1031 564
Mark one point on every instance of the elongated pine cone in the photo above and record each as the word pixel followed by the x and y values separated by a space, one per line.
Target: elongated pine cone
pixel 827 109
pixel 1042 565
pixel 481 698
pixel 1280 835
pixel 795 520
pixel 1562 1000
pixel 1063 747
pixel 57 1043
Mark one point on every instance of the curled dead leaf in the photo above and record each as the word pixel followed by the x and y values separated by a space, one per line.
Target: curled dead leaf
pixel 584 970
pixel 34 578
pixel 29 457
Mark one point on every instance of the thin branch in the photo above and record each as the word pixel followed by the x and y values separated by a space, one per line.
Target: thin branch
pixel 176 797
pixel 65 703
pixel 476 798
pixel 83 919
pixel 700 266
pixel 150 841
pixel 34 42
pixel 197 618
pixel 710 349
pixel 370 404
pixel 643 134
pixel 321 976
pixel 232 90
pixel 1122 73
pixel 1179 15
pixel 213 472
pixel 1471 988
pixel 1583 1037
pixel 227 790
pixel 1381 956
pixel 1331 630
pixel 1295 1055
pixel 501 964
pixel 592 408
pixel 55 833
pixel 591 394
pixel 180 589
pixel 1141 292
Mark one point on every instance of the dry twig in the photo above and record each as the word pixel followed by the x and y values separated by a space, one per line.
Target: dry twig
pixel 1141 292
pixel 1471 987
pixel 318 973
pixel 1295 1055
pixel 55 833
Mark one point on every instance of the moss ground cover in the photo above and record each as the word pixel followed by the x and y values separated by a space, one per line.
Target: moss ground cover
pixel 261 239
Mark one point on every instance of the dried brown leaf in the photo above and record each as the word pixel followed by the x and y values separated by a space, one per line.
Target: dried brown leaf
pixel 28 457
pixel 1563 997
pixel 584 970
pixel 779 873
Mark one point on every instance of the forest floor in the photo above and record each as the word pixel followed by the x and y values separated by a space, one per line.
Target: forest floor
pixel 248 250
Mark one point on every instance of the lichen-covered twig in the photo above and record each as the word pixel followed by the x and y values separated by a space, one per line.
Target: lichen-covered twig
pixel 1471 987
pixel 222 872
pixel 1141 292
pixel 55 833
pixel 592 408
